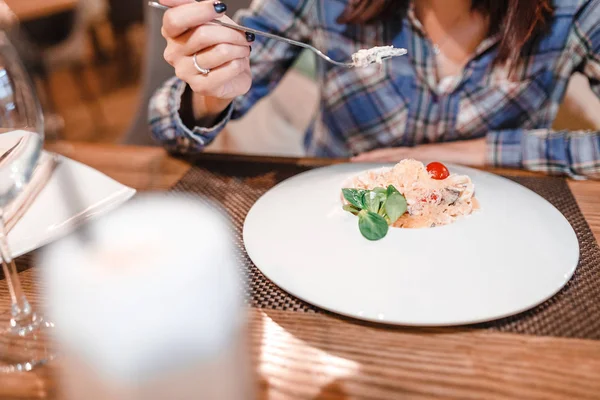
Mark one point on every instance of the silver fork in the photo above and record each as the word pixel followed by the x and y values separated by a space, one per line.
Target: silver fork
pixel 269 35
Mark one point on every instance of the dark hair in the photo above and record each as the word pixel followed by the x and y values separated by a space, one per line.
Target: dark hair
pixel 516 20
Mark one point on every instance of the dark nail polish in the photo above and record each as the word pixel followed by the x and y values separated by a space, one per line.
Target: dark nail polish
pixel 250 49
pixel 250 37
pixel 220 7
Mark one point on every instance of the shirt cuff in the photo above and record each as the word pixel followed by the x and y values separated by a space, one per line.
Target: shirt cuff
pixel 168 127
pixel 202 135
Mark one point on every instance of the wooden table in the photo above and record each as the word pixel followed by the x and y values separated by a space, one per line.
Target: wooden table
pixel 319 357
pixel 26 10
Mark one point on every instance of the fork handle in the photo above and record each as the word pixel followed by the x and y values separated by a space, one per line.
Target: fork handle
pixel 280 38
pixel 256 32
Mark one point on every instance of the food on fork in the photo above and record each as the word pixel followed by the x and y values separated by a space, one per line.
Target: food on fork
pixel 366 57
pixel 408 195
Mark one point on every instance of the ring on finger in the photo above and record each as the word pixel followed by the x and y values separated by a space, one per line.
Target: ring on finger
pixel 203 71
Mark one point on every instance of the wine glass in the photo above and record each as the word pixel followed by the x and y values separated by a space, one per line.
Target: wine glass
pixel 23 332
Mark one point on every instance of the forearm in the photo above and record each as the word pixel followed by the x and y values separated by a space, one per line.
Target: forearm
pixel 208 109
pixel 189 124
pixel 572 153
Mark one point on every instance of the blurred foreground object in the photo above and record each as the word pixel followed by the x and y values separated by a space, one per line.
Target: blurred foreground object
pixel 150 307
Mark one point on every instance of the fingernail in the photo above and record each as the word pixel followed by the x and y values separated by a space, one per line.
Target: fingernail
pixel 220 7
pixel 250 49
pixel 250 37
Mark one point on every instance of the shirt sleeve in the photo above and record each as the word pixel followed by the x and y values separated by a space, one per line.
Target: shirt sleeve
pixel 572 153
pixel 167 126
pixel 269 61
pixel 587 31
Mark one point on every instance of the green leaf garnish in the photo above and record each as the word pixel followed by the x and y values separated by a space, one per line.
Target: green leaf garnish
pixel 372 201
pixel 395 206
pixel 354 197
pixel 372 226
pixel 351 209
pixel 376 209
pixel 391 189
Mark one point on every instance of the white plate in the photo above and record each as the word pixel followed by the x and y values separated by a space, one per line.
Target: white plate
pixel 50 216
pixel 513 254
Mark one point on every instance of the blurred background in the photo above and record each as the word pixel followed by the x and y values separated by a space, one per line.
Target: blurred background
pixel 97 62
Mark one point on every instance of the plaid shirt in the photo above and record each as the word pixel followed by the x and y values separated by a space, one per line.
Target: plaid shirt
pixel 402 102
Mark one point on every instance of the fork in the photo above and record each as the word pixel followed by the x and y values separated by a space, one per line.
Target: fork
pixel 269 35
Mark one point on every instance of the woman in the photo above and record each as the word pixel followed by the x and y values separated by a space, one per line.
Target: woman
pixel 481 83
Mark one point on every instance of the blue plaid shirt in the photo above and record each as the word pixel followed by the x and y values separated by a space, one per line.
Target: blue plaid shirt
pixel 402 102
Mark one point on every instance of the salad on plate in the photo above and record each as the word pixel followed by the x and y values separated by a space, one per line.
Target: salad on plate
pixel 407 195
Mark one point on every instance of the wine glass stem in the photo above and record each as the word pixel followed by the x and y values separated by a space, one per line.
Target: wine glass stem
pixel 21 312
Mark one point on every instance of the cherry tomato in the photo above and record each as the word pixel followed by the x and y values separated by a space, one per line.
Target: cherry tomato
pixel 438 171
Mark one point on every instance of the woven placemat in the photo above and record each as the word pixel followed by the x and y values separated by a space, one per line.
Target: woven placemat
pixel 574 312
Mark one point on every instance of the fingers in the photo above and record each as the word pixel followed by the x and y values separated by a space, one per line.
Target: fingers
pixel 220 54
pixel 210 35
pixel 203 38
pixel 222 50
pixel 6 14
pixel 382 155
pixel 210 59
pixel 175 3
pixel 225 81
pixel 233 59
pixel 189 15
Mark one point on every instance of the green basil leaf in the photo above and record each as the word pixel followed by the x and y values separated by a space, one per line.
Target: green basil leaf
pixel 381 210
pixel 395 206
pixel 372 201
pixel 354 197
pixel 351 209
pixel 382 195
pixel 372 226
pixel 391 190
pixel 379 190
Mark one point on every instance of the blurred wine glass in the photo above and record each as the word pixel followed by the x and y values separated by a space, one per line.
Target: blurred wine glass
pixel 23 331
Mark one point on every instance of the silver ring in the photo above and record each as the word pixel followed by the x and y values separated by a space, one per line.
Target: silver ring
pixel 203 71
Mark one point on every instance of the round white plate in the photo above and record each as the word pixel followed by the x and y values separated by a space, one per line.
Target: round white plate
pixel 513 254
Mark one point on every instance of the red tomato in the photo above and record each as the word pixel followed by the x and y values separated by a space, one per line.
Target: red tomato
pixel 438 171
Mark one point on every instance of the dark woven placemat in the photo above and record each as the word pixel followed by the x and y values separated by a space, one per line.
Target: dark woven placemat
pixel 574 312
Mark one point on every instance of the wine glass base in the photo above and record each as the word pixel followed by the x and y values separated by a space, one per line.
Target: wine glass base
pixel 25 348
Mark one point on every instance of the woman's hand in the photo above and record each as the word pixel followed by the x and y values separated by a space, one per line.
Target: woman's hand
pixel 465 152
pixel 221 50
